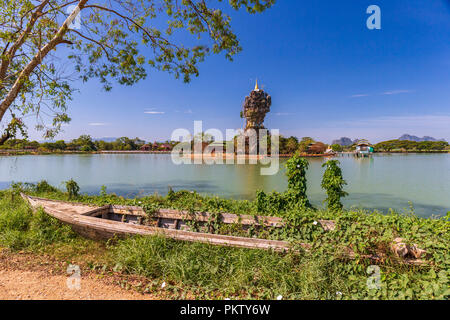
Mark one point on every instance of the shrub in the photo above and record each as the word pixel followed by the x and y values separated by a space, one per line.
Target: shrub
pixel 333 183
pixel 72 188
pixel 44 187
pixel 296 168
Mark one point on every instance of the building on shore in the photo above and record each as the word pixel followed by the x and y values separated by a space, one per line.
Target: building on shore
pixel 363 148
pixel 317 148
pixel 146 147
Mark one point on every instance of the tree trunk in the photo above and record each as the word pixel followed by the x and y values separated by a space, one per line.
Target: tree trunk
pixel 37 59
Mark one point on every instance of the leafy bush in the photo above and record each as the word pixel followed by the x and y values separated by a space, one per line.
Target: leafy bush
pixel 333 183
pixel 296 168
pixel 43 187
pixel 72 188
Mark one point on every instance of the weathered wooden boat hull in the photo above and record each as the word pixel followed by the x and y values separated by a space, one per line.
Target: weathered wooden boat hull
pixel 82 219
pixel 110 221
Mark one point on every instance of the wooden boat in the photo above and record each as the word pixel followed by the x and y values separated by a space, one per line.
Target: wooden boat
pixel 113 220
pixel 109 221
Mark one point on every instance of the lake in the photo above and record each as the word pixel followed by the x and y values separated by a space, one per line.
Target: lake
pixel 380 182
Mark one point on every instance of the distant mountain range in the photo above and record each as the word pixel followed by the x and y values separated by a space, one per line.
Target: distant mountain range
pixel 344 141
pixel 417 139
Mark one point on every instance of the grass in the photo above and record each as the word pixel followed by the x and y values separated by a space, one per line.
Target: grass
pixel 228 272
pixel 213 272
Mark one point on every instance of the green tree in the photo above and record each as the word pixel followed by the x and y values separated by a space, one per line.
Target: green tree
pixel 84 143
pixel 333 183
pixel 337 147
pixel 103 145
pixel 288 145
pixel 43 42
pixel 304 143
pixel 72 188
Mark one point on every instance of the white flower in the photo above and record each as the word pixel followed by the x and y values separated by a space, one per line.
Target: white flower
pixel 163 285
pixel 227 299
pixel 280 297
pixel 140 202
pixel 298 166
pixel 339 293
pixel 315 222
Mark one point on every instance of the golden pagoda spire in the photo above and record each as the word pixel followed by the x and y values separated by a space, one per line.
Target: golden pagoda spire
pixel 256 85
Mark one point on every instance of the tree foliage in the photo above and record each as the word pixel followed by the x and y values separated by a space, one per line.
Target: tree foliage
pixel 304 143
pixel 45 45
pixel 333 183
pixel 406 145
pixel 73 188
pixel 337 147
pixel 296 173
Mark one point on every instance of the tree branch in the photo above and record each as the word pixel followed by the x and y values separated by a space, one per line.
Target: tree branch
pixel 7 58
pixel 37 59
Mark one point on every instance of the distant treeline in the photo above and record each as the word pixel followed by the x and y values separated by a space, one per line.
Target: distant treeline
pixel 287 145
pixel 86 143
pixel 406 145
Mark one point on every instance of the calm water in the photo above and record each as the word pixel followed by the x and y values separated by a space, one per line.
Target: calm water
pixel 382 182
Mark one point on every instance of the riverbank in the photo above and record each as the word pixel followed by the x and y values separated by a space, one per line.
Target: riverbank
pixel 195 270
pixel 192 155
pixel 27 152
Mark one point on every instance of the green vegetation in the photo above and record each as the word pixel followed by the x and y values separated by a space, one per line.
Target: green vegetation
pixel 337 147
pixel 296 173
pixel 21 229
pixel 333 183
pixel 72 188
pixel 295 195
pixel 85 144
pixel 406 145
pixel 207 271
pixel 304 143
pixel 289 145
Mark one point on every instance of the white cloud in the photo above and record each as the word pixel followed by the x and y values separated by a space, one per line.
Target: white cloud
pixel 283 113
pixel 98 124
pixel 154 112
pixel 188 111
pixel 359 95
pixel 396 92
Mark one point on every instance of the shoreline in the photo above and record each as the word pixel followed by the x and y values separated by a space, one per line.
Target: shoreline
pixel 192 155
pixel 205 156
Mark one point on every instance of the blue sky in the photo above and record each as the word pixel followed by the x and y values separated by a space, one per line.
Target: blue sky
pixel 328 75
